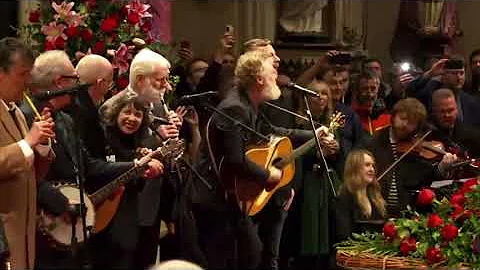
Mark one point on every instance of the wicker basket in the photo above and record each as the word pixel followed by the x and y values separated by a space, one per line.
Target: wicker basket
pixel 363 260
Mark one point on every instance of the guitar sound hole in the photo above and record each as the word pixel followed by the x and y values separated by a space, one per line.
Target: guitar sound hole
pixel 277 162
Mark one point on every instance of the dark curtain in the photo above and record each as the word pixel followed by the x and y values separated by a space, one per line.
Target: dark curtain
pixel 8 18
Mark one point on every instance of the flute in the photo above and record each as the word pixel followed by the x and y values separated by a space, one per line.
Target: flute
pixel 35 111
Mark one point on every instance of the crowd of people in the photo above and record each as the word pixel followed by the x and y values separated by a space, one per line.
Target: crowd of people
pixel 365 170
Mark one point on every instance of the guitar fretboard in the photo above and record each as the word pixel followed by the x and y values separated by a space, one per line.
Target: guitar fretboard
pixel 103 193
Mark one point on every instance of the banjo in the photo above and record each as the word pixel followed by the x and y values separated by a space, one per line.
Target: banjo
pixel 102 205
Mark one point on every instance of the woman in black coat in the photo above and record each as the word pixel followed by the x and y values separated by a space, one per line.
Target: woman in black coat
pixel 126 128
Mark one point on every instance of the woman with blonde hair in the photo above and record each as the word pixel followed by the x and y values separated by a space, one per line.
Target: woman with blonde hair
pixel 359 207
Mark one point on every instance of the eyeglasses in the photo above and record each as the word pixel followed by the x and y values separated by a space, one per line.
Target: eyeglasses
pixel 72 77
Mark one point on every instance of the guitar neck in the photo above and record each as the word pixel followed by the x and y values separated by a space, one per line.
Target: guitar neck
pixel 103 193
pixel 300 151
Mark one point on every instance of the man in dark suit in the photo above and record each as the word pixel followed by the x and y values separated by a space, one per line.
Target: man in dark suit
pixel 228 229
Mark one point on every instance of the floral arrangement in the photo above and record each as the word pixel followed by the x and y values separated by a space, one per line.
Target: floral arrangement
pixel 448 236
pixel 112 28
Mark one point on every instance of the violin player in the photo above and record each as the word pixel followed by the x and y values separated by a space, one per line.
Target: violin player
pixel 412 172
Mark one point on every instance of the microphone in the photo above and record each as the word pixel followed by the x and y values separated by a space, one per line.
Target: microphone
pixel 49 94
pixel 196 98
pixel 303 89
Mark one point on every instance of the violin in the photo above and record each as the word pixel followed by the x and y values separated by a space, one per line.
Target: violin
pixel 426 149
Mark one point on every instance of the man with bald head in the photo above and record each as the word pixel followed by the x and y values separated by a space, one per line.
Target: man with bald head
pixel 96 71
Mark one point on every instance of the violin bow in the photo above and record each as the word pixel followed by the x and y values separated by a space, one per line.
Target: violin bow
pixel 417 143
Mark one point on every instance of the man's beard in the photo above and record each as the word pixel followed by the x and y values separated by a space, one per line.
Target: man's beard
pixel 151 94
pixel 272 92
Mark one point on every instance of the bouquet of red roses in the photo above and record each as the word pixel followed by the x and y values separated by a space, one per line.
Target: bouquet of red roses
pixel 449 236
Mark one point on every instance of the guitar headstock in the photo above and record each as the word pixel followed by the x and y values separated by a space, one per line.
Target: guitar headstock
pixel 171 149
pixel 337 120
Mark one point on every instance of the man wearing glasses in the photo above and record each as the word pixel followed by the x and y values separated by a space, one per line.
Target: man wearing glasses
pixel 53 70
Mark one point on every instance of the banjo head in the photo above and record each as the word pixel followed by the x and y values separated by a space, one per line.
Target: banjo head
pixel 59 230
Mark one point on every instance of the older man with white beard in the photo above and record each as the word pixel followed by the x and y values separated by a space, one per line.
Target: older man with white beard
pixel 149 73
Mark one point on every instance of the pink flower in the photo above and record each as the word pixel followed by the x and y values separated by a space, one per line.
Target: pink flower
pixel 52 31
pixel 139 9
pixel 120 59
pixel 74 19
pixel 63 10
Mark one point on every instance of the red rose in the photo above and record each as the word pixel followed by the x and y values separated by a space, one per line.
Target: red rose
pixel 71 31
pixel 434 221
pixel 133 18
pixel 109 24
pixel 121 83
pixel 34 16
pixel 449 232
pixel 408 245
pixel 60 43
pixel 457 198
pixel 389 230
pixel 99 47
pixel 425 197
pixel 468 185
pixel 86 35
pixel 48 45
pixel 433 255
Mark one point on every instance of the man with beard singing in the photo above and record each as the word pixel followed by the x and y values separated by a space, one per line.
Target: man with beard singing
pixel 228 236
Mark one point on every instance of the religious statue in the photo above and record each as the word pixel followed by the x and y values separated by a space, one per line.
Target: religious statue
pixel 303 16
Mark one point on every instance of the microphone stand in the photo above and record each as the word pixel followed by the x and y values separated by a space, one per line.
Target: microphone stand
pixel 319 148
pixel 79 171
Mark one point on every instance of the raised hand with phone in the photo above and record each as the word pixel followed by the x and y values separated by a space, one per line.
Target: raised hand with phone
pixel 226 43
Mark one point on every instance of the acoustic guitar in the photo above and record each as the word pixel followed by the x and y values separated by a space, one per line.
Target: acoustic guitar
pixel 251 195
pixel 107 198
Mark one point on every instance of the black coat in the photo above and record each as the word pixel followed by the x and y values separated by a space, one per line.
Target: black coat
pixel 230 140
pixel 85 114
pixel 347 218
